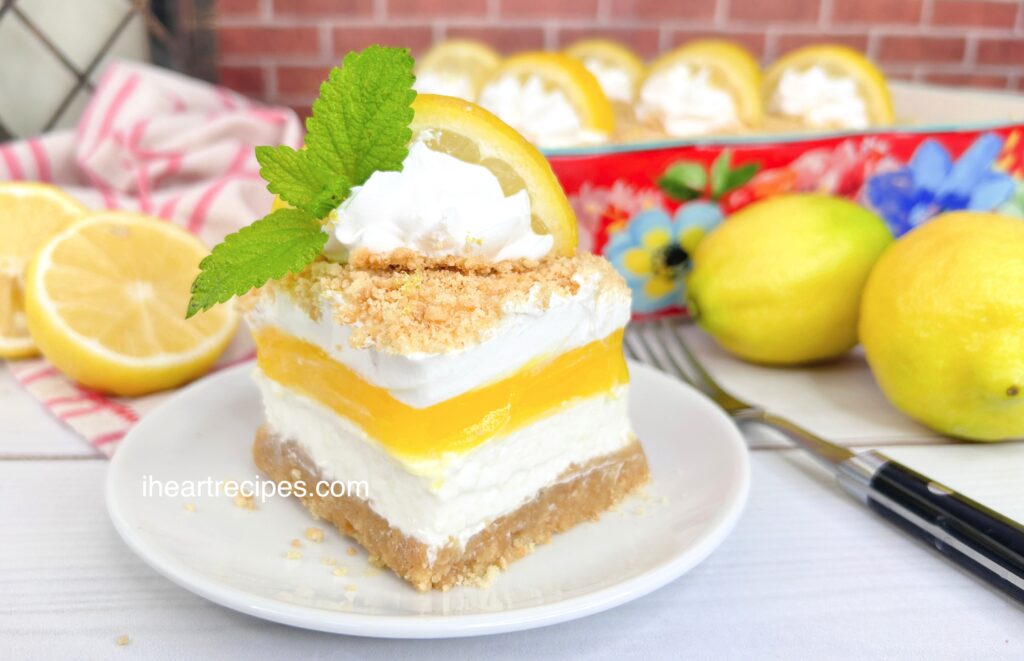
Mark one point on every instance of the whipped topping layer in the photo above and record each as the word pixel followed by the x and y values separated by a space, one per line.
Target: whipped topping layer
pixel 684 102
pixel 527 331
pixel 448 84
pixel 543 116
pixel 438 206
pixel 820 100
pixel 456 496
pixel 615 82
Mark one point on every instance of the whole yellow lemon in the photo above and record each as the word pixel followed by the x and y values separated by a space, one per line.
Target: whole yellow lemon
pixel 779 282
pixel 942 324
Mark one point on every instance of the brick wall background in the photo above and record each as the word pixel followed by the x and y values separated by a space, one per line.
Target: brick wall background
pixel 280 50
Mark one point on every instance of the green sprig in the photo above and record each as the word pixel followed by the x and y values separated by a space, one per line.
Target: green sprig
pixel 359 125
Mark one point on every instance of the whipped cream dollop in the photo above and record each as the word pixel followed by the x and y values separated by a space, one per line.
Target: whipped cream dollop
pixel 683 101
pixel 545 117
pixel 615 82
pixel 448 84
pixel 820 100
pixel 438 206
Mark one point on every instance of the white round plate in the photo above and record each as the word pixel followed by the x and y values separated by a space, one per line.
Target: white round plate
pixel 237 557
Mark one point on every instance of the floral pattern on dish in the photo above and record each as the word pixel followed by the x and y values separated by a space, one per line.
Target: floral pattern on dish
pixel 932 182
pixel 653 252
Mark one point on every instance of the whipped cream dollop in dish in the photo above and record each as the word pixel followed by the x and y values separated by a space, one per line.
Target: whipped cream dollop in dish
pixel 450 84
pixel 684 102
pixel 438 206
pixel 615 82
pixel 820 100
pixel 543 116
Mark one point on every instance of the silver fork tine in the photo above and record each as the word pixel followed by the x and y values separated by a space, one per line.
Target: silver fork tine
pixel 724 398
pixel 676 332
pixel 669 338
pixel 637 350
pixel 649 351
pixel 627 346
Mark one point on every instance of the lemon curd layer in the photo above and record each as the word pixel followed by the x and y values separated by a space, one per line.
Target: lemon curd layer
pixel 457 424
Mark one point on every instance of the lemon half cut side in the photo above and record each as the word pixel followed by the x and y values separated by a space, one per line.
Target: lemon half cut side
pixel 105 301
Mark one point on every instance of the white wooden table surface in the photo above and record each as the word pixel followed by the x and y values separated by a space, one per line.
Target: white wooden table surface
pixel 807 573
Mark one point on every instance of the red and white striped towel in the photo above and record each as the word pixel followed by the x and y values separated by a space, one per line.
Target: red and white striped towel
pixel 154 141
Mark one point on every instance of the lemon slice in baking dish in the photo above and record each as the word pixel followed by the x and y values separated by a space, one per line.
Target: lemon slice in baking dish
pixel 618 69
pixel 456 68
pixel 551 99
pixel 827 87
pixel 705 86
pixel 470 133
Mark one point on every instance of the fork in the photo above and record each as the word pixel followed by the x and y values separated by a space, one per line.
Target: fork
pixel 979 539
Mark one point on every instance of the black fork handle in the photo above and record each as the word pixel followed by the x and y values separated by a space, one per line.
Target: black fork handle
pixel 982 541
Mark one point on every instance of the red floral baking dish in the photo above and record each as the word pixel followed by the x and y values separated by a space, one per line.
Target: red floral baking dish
pixel 953 149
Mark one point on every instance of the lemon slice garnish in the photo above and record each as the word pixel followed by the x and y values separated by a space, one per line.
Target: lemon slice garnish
pixel 618 69
pixel 835 63
pixel 723 65
pixel 562 74
pixel 30 213
pixel 474 135
pixel 106 298
pixel 456 68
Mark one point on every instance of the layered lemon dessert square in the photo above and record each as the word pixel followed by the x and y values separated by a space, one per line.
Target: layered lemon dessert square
pixel 446 344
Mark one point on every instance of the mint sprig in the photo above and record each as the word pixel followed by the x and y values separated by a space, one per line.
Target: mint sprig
pixel 296 179
pixel 282 242
pixel 359 125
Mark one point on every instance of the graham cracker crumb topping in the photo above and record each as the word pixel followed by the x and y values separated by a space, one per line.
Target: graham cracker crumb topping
pixel 405 303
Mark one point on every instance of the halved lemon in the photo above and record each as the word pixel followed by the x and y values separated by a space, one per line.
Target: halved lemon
pixel 618 69
pixel 837 63
pixel 106 298
pixel 468 132
pixel 560 73
pixel 30 213
pixel 727 67
pixel 457 67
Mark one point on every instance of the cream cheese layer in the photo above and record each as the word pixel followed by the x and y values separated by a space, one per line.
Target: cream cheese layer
pixel 454 496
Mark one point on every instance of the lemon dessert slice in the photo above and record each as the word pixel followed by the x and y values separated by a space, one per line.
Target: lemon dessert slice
pixel 457 67
pixel 701 88
pixel 451 350
pixel 30 214
pixel 551 99
pixel 618 69
pixel 826 87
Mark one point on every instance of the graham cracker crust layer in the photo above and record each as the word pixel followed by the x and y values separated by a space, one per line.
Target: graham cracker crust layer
pixel 580 494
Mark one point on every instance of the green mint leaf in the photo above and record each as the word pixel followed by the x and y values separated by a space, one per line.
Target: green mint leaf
pixel 676 190
pixel 360 121
pixel 292 176
pixel 359 125
pixel 683 181
pixel 740 176
pixel 720 173
pixel 286 241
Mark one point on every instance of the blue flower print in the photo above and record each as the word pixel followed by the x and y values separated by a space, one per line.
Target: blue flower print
pixel 933 183
pixel 653 252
